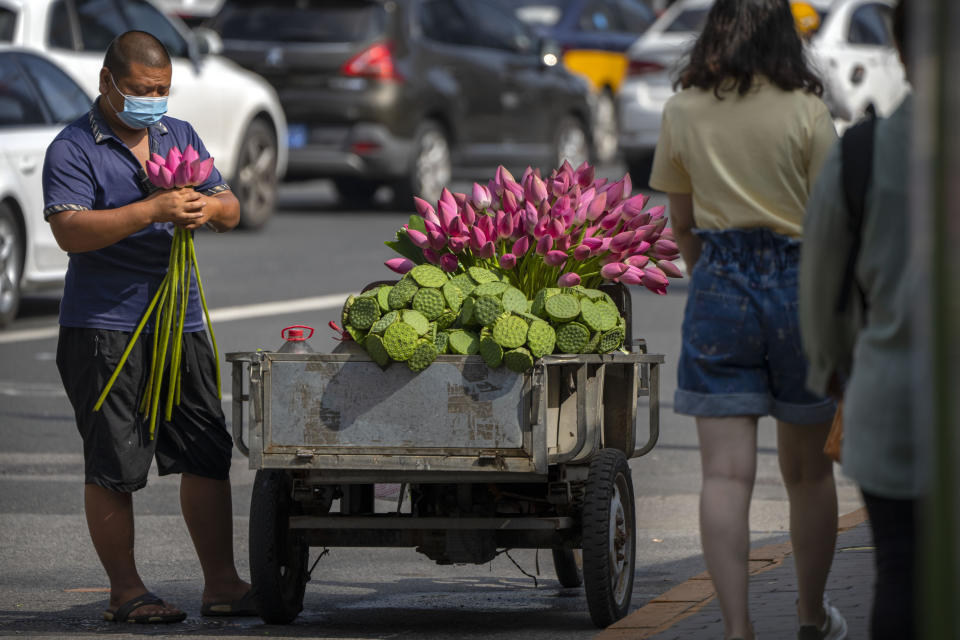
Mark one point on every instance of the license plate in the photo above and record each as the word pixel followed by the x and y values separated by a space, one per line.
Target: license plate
pixel 296 135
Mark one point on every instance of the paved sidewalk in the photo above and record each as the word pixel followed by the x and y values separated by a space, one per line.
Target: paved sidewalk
pixel 690 610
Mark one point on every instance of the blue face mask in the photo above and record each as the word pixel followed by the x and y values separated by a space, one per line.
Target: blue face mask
pixel 139 112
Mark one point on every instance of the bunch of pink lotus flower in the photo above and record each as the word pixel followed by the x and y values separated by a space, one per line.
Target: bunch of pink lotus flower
pixel 178 170
pixel 568 229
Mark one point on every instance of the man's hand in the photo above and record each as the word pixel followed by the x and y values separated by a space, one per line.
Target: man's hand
pixel 183 207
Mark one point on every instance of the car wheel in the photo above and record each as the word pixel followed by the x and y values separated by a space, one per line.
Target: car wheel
pixel 571 143
pixel 255 184
pixel 605 128
pixel 12 250
pixel 430 166
pixel 356 192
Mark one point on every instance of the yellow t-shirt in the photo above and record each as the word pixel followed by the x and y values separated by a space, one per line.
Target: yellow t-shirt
pixel 749 161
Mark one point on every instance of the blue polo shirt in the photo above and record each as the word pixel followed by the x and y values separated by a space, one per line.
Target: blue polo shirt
pixel 88 168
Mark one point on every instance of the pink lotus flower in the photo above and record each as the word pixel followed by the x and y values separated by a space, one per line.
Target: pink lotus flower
pixel 468 215
pixel 544 245
pixel 437 240
pixel 399 265
pixel 477 238
pixel 581 253
pixel 613 270
pixel 178 169
pixel 504 224
pixel 486 225
pixel 555 258
pixel 419 239
pixel 521 246
pixel 638 261
pixel 482 199
pixel 449 262
pixel 568 280
pixel 508 261
pixel 632 275
pixel 596 206
pixel 458 243
pixel 669 269
pixel 424 208
pixel 621 241
pixel 448 213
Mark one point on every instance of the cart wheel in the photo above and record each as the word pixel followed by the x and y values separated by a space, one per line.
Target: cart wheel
pixel 568 565
pixel 609 537
pixel 278 558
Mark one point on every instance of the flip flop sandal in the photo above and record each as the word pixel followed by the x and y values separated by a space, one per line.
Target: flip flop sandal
pixel 124 612
pixel 245 606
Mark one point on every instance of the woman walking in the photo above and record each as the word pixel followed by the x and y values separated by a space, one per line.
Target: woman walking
pixel 740 147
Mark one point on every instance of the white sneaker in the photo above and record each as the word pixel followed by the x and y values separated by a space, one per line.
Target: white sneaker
pixel 835 627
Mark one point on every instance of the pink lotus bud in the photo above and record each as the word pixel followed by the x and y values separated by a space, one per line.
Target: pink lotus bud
pixel 508 261
pixel 665 245
pixel 560 185
pixel 584 175
pixel 639 221
pixel 424 208
pixel 461 199
pixel 456 227
pixel 561 207
pixel 555 228
pixel 449 263
pixel 418 238
pixel 555 258
pixel 632 275
pixel 432 226
pixel 510 202
pixel 504 224
pixel 640 247
pixel 481 197
pixel 181 177
pixel 477 238
pixel 517 222
pixel 201 170
pixel 448 212
pixel 521 246
pixel 544 245
pixel 653 275
pixel 638 261
pixel 502 175
pixel 431 256
pixel 660 225
pixel 668 234
pixel 580 215
pixel 540 229
pixel 446 196
pixel 530 217
pixel 604 245
pixel 647 232
pixel 536 191
pixel 458 243
pixel 609 223
pixel 581 253
pixel 613 270
pixel 514 188
pixel 487 251
pixel 614 193
pixel 158 159
pixel 399 265
pixel 669 269
pixel 437 240
pixel 596 206
pixel 568 280
pixel 190 155
pixel 563 242
pixel 621 241
pixel 166 178
pixel 593 243
pixel 468 215
pixel 634 206
pixel 174 157
pixel 153 172
pixel 487 226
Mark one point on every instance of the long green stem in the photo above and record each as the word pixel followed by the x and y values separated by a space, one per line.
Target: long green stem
pixel 161 358
pixel 145 401
pixel 206 313
pixel 180 308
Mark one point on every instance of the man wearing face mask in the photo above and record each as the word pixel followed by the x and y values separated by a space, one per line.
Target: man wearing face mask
pixel 118 229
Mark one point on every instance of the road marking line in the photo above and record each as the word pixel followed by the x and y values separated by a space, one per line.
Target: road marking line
pixel 225 314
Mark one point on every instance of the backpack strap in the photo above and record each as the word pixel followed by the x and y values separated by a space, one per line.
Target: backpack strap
pixel 856 151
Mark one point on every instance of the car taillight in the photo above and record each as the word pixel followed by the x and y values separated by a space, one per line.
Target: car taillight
pixel 641 67
pixel 376 61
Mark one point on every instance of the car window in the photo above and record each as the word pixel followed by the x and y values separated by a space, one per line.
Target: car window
pixel 19 105
pixel 871 25
pixel 63 97
pixel 100 21
pixel 689 20
pixel 444 21
pixel 494 27
pixel 143 16
pixel 601 16
pixel 302 21
pixel 636 16
pixel 8 20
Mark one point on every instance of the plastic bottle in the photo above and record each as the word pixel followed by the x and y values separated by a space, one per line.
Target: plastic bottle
pixel 294 340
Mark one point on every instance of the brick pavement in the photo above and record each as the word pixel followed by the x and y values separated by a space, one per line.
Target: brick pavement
pixel 690 610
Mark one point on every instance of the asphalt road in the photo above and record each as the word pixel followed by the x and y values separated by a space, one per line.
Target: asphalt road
pixel 51 584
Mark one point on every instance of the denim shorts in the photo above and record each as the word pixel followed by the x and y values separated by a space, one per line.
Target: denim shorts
pixel 741 352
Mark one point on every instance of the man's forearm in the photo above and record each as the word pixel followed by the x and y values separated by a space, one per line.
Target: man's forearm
pixel 224 211
pixel 89 230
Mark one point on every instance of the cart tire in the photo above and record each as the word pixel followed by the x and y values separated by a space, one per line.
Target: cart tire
pixel 568 565
pixel 278 558
pixel 609 537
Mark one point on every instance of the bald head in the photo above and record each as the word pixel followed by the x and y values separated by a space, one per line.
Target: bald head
pixel 135 47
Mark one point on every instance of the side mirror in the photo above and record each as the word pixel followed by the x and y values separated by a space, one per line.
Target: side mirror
pixel 550 53
pixel 208 41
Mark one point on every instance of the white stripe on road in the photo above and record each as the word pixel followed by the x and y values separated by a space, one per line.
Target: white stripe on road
pixel 225 314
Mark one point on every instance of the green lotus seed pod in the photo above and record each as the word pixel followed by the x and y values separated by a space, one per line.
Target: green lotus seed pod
pixel 364 312
pixel 592 343
pixel 592 294
pixel 453 295
pixel 466 313
pixel 510 331
pixel 464 283
pixel 442 342
pixel 370 293
pixel 611 340
pixel 345 312
pixel 572 337
pixel 446 319
pixel 429 302
pixel 400 339
pixel 541 338
pixel 562 307
pixel 491 352
pixel 486 309
pixel 518 360
pixel 383 297
pixel 529 317
pixel 481 275
pixel 423 356
pixel 609 315
pixel 590 315
pixel 490 289
pixel 416 320
pixel 428 275
pixel 402 294
pixel 513 300
pixel 540 300
pixel 465 343
pixel 358 335
pixel 385 321
pixel 374 346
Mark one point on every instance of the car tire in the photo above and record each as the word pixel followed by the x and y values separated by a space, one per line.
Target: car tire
pixel 431 166
pixel 356 192
pixel 255 182
pixel 12 252
pixel 571 142
pixel 605 130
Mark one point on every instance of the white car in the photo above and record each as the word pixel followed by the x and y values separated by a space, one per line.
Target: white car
pixel 235 111
pixel 853 51
pixel 36 100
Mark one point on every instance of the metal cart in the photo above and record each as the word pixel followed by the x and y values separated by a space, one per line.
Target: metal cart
pixel 488 460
